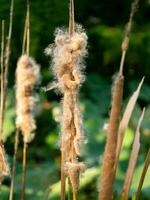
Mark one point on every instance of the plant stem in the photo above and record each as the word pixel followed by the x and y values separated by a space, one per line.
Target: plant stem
pixel 2 82
pixel 74 195
pixel 146 165
pixel 71 18
pixel 63 177
pixel 69 189
pixel 14 165
pixel 28 27
pixel 24 171
pixel 8 51
pixel 24 36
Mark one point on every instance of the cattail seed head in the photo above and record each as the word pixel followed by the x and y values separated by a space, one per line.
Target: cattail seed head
pixel 67 54
pixel 27 76
pixel 73 170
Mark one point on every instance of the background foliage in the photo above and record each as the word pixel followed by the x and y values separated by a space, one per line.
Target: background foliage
pixel 104 22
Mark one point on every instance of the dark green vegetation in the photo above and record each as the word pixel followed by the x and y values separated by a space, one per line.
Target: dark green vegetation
pixel 104 22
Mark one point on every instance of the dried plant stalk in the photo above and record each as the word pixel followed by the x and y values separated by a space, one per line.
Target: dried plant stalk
pixel 125 120
pixel 14 165
pixel 146 165
pixel 2 82
pixel 4 167
pixel 108 173
pixel 133 159
pixel 7 59
pixel 24 171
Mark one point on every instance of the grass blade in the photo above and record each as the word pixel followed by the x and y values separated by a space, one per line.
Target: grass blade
pixel 133 159
pixel 125 120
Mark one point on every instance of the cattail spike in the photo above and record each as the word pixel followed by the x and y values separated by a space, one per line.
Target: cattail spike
pixel 27 76
pixel 125 43
pixel 71 19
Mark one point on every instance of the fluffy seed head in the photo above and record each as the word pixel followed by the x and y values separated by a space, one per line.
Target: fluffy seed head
pixel 27 76
pixel 73 170
pixel 67 54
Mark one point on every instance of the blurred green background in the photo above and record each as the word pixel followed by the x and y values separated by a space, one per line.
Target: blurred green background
pixel 104 22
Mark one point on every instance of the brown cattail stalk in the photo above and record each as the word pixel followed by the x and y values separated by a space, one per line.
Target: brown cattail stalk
pixel 133 159
pixel 125 120
pixel 108 172
pixel 146 165
pixel 67 53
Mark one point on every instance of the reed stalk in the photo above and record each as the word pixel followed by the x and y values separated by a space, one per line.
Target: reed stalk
pixel 14 165
pixel 27 33
pixel 2 82
pixel 24 164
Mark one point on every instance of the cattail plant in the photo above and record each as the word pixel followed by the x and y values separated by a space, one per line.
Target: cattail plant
pixel 67 53
pixel 124 122
pixel 109 170
pixel 27 76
